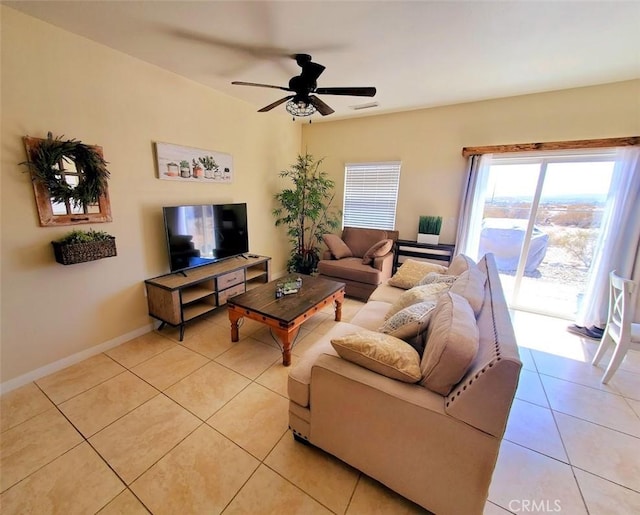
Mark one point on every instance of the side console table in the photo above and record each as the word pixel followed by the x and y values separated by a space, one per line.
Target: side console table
pixel 426 251
pixel 179 297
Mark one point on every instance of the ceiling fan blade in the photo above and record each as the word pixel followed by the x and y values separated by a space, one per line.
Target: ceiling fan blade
pixel 322 108
pixel 241 83
pixel 355 92
pixel 275 104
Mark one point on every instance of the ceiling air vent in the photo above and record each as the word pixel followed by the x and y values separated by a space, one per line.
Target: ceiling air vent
pixel 364 106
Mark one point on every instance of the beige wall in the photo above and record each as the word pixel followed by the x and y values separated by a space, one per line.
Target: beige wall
pixel 56 81
pixel 429 141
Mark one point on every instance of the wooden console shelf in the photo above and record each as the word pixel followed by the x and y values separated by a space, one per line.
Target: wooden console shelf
pixel 176 298
pixel 441 253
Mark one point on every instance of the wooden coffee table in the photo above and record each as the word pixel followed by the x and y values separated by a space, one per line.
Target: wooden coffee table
pixel 285 315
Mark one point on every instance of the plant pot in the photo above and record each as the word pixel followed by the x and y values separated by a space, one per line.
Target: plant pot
pixel 70 254
pixel 432 239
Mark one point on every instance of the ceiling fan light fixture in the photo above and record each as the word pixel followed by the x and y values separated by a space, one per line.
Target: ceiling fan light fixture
pixel 300 108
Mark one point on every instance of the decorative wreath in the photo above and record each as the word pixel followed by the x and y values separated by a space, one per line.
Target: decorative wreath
pixel 44 161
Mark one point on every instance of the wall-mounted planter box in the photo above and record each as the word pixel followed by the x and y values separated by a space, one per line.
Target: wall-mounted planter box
pixel 72 253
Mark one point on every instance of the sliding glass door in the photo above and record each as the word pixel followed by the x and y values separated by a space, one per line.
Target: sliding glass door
pixel 540 217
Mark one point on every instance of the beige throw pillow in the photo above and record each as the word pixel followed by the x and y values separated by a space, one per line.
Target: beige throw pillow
pixel 428 292
pixel 381 353
pixel 470 285
pixel 379 249
pixel 336 246
pixel 460 264
pixel 452 344
pixel 411 271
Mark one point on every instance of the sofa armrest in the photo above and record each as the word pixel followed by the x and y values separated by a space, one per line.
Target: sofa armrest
pixel 411 393
pixel 327 255
pixel 384 264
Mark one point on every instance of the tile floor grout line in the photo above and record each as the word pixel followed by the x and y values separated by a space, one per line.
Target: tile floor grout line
pixel 53 405
pixel 308 494
pixel 584 501
pixel 86 440
pixel 538 452
pixel 212 414
pixel 165 454
pixel 595 423
pixel 83 391
pixel 626 400
pixel 574 416
pixel 241 487
pixel 41 467
pixel 564 445
pixel 499 506
pixel 605 479
pixel 134 494
pixel 617 393
pixel 355 487
pixel 94 386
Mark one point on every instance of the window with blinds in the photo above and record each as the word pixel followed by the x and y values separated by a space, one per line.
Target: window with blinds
pixel 370 195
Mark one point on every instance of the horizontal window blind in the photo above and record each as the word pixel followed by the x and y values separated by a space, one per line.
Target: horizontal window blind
pixel 370 195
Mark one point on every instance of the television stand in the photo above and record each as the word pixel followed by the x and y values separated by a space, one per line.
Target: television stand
pixel 177 299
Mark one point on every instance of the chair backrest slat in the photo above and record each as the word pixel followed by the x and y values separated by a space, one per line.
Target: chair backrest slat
pixel 621 302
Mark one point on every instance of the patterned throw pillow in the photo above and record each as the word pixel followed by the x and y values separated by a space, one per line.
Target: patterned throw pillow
pixel 379 249
pixel 411 271
pixel 435 277
pixel 409 323
pixel 428 292
pixel 381 353
pixel 336 246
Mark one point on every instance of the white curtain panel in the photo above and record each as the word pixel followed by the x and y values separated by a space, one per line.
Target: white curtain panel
pixel 618 244
pixel 472 206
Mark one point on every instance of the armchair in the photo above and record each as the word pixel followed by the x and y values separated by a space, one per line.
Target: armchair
pixel 360 258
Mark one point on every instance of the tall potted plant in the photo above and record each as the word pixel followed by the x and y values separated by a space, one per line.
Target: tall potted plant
pixel 306 210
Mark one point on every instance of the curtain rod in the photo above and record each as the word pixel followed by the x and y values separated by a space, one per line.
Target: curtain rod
pixel 553 145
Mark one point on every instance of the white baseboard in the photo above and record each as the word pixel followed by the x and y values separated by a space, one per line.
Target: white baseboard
pixel 51 368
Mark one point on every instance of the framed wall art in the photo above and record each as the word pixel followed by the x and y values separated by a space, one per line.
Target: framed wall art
pixel 187 164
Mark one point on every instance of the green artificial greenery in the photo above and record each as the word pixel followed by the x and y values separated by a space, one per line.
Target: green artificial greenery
pixel 306 210
pixel 430 224
pixel 78 236
pixel 44 161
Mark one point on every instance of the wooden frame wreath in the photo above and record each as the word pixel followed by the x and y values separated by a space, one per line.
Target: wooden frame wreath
pixel 44 160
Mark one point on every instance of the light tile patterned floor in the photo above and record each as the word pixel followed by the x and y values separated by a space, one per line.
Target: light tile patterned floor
pixel 201 427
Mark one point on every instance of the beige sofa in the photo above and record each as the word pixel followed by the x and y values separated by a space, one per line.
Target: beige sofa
pixel 361 276
pixel 436 450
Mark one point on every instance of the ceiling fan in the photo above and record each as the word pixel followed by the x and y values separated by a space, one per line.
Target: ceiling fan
pixel 303 102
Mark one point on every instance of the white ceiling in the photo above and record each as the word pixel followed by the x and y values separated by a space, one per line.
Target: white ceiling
pixel 417 53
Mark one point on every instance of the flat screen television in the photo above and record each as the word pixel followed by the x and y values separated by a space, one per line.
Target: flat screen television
pixel 203 234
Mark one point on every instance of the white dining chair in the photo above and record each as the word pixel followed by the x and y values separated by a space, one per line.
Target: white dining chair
pixel 620 332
